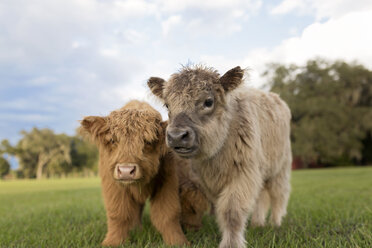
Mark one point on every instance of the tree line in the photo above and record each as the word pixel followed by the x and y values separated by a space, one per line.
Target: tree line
pixel 42 153
pixel 331 104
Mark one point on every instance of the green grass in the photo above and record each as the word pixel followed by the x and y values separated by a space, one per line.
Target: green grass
pixel 328 208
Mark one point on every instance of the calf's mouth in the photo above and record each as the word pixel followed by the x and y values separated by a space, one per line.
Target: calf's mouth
pixel 185 151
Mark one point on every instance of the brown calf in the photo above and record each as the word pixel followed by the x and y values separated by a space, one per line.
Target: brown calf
pixel 135 165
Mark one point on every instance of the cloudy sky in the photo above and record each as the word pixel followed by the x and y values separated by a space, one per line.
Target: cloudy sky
pixel 61 60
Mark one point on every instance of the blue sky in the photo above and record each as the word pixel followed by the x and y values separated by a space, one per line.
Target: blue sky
pixel 61 60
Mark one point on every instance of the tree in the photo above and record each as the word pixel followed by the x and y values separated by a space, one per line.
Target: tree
pixel 4 164
pixel 83 154
pixel 331 109
pixel 40 151
pixel 4 167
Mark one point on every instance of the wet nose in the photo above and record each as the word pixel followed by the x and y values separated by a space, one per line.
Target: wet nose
pixel 126 171
pixel 180 137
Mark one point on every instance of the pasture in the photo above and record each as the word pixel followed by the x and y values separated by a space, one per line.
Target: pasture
pixel 327 208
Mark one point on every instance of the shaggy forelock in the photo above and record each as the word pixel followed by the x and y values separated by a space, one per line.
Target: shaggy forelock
pixel 199 68
pixel 135 123
pixel 197 75
pixel 188 82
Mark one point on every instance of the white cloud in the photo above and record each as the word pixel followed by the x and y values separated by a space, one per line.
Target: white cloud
pixel 77 44
pixel 321 8
pixel 170 23
pixel 174 6
pixel 344 38
pixel 109 52
pixel 287 6
pixel 135 37
pixel 220 62
pixel 130 8
pixel 205 18
pixel 42 80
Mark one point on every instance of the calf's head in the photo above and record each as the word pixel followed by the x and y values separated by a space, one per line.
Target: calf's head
pixel 130 141
pixel 196 99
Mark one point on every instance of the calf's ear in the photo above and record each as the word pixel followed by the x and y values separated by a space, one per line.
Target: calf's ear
pixel 93 126
pixel 232 79
pixel 156 86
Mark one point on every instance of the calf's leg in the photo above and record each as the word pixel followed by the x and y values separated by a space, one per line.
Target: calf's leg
pixel 193 205
pixel 165 212
pixel 279 190
pixel 261 209
pixel 123 213
pixel 232 209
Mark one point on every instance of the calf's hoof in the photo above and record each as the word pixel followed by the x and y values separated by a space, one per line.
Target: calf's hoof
pixel 237 242
pixel 179 241
pixel 112 242
pixel 257 223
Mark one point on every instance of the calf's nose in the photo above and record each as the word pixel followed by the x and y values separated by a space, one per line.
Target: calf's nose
pixel 126 171
pixel 180 137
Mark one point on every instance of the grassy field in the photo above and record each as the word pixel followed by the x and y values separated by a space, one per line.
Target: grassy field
pixel 328 208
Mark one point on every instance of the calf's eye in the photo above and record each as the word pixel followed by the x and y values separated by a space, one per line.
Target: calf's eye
pixel 208 103
pixel 149 145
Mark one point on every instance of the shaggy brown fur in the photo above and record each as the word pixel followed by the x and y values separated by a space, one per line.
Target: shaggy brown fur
pixel 133 136
pixel 193 201
pixel 238 142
